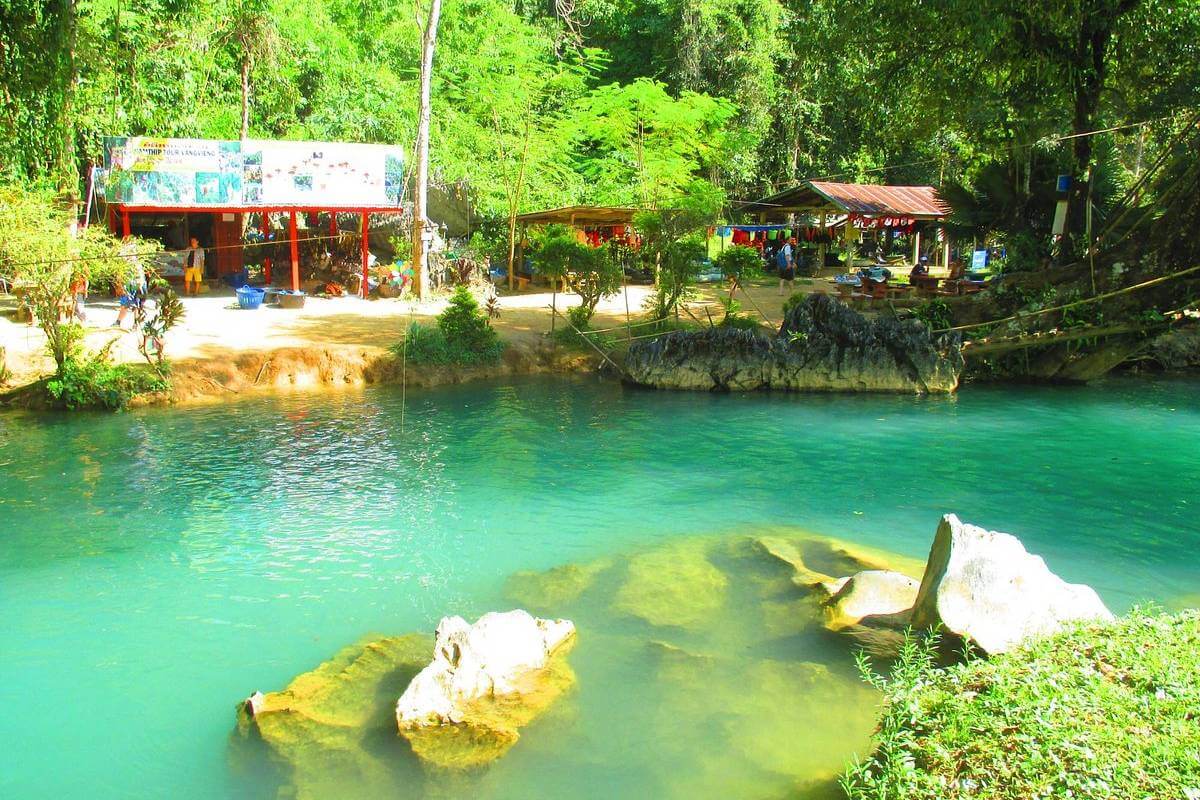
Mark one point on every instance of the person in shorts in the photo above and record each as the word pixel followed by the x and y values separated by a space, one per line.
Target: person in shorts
pixel 785 260
pixel 193 268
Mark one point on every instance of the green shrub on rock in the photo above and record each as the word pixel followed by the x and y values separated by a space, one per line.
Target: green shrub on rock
pixel 1101 711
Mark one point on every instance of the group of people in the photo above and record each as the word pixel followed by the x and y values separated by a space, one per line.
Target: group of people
pixel 134 294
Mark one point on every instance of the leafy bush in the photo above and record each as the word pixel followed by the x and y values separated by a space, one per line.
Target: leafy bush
pixel 739 264
pixel 935 313
pixel 94 381
pixel 1101 711
pixel 463 336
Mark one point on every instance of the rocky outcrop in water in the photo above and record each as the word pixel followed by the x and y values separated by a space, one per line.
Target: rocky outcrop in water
pixel 984 587
pixel 821 346
pixel 485 682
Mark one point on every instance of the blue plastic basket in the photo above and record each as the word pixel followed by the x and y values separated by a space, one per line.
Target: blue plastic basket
pixel 249 297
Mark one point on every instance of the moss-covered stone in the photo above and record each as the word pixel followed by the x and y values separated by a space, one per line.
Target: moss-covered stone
pixel 550 590
pixel 334 727
pixel 675 585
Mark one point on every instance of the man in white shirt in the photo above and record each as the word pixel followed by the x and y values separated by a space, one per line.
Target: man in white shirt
pixel 193 267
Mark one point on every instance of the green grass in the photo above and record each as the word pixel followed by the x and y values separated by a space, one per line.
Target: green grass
pixel 1106 711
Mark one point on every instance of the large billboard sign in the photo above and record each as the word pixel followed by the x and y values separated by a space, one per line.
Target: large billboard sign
pixel 145 171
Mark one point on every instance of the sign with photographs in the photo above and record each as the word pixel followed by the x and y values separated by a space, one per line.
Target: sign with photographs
pixel 145 171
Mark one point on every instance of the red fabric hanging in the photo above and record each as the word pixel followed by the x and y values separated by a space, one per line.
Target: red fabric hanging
pixel 740 236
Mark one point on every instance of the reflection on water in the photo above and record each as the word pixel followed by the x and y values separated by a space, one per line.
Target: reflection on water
pixel 159 565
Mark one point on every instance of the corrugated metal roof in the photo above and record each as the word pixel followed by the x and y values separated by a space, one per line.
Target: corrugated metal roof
pixel 892 201
pixel 580 215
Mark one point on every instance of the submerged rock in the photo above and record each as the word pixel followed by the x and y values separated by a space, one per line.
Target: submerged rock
pixel 485 682
pixel 821 346
pixel 789 553
pixel 984 587
pixel 869 594
pixel 816 560
pixel 673 586
pixel 334 727
pixel 555 587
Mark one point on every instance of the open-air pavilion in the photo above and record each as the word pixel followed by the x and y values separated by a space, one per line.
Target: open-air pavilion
pixel 594 224
pixel 858 207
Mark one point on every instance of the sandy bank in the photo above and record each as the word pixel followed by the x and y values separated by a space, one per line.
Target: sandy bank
pixel 220 351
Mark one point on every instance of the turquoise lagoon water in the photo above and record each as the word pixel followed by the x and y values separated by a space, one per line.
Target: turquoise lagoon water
pixel 157 566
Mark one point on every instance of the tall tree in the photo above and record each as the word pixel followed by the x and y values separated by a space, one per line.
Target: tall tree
pixel 421 173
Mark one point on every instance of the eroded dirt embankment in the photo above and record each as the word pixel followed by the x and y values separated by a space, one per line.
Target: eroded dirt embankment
pixel 225 375
pixel 332 367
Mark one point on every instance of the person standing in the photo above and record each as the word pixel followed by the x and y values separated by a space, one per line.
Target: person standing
pixel 193 268
pixel 79 292
pixel 785 260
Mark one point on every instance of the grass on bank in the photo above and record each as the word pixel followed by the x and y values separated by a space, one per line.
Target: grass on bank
pixel 1102 711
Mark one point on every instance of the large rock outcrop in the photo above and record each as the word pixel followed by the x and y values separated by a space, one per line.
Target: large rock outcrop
pixel 821 346
pixel 485 682
pixel 984 587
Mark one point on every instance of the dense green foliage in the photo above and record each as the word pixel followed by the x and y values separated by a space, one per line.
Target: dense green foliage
pixel 614 100
pixel 936 313
pixel 463 336
pixel 1099 712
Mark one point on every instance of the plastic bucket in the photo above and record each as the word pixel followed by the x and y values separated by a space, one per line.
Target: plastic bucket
pixel 291 299
pixel 250 298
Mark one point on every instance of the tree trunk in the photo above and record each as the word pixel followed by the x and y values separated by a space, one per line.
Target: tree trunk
pixel 421 177
pixel 1090 70
pixel 245 99
pixel 67 170
pixel 514 205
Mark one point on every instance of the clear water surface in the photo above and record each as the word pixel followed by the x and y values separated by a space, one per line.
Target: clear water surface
pixel 157 566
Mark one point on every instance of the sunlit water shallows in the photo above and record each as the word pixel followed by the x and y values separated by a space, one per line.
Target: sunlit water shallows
pixel 157 566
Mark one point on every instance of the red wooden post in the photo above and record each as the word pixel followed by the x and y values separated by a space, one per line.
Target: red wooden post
pixel 333 231
pixel 264 227
pixel 124 224
pixel 366 255
pixel 295 252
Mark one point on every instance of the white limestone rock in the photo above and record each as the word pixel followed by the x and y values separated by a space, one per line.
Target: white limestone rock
pixel 485 660
pixel 983 586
